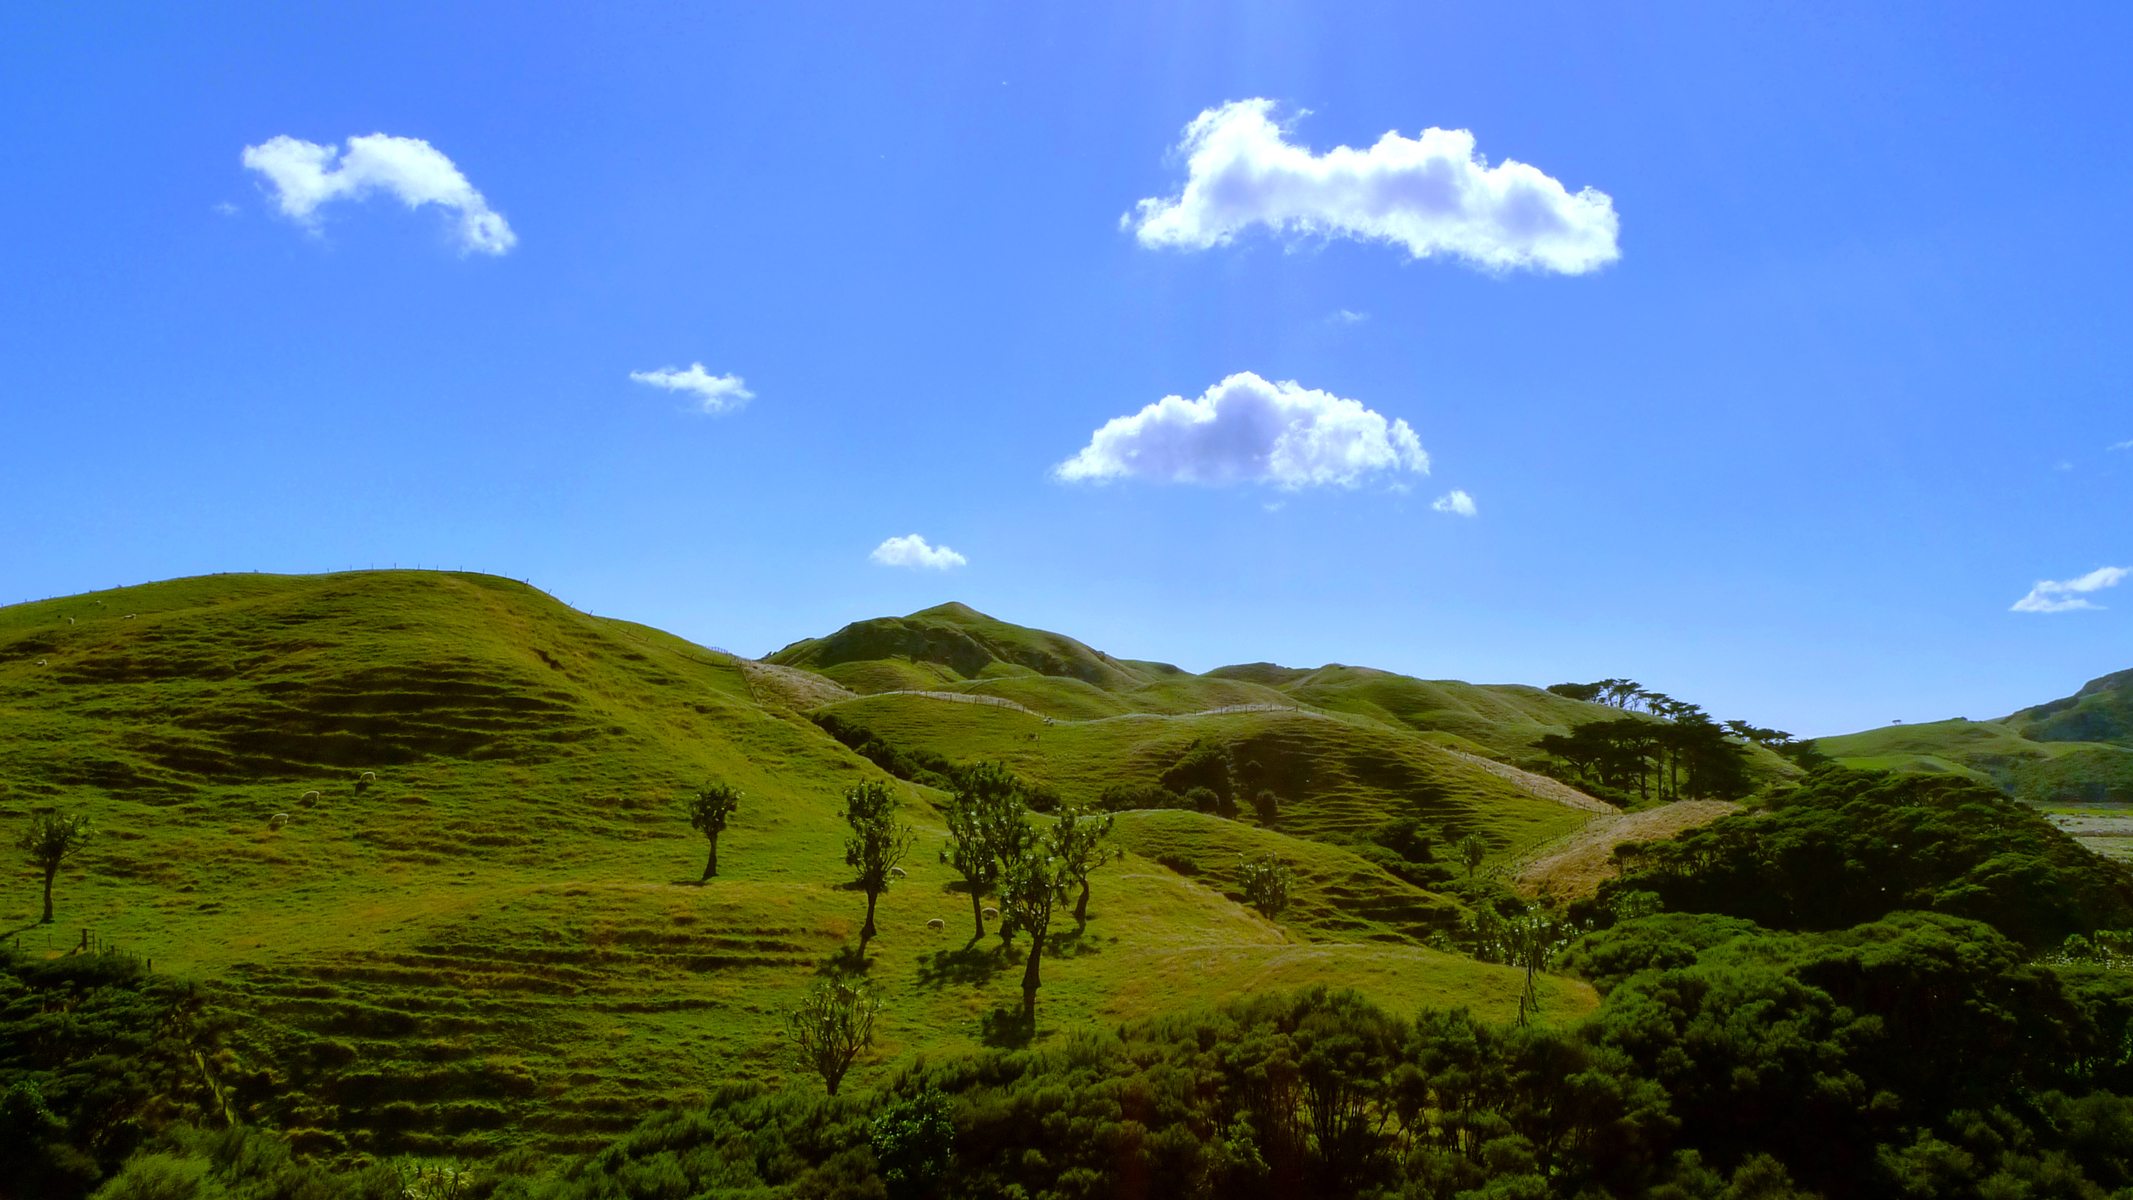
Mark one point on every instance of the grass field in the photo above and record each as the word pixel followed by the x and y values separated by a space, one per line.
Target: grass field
pixel 484 927
pixel 2019 754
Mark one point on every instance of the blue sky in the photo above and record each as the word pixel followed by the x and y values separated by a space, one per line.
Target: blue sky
pixel 1789 438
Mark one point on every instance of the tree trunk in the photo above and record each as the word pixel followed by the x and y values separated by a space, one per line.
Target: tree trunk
pixel 1030 981
pixel 977 913
pixel 49 873
pixel 1081 907
pixel 711 864
pixel 866 931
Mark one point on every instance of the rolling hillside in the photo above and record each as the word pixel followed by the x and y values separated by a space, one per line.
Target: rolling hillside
pixel 2072 751
pixel 480 925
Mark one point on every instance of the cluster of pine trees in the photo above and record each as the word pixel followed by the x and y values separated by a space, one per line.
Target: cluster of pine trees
pixel 1683 754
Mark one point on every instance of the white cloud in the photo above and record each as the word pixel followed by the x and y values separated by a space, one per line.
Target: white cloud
pixel 1455 501
pixel 306 175
pixel 714 393
pixel 1432 195
pixel 2122 446
pixel 1245 429
pixel 1345 316
pixel 911 550
pixel 2050 596
pixel 224 208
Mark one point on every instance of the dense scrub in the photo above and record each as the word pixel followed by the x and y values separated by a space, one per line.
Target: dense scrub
pixel 1850 846
pixel 96 1052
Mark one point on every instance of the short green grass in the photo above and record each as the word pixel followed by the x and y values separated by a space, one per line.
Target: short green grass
pixel 499 938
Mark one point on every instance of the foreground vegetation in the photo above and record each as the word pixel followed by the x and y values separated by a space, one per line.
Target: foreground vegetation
pixel 1891 1048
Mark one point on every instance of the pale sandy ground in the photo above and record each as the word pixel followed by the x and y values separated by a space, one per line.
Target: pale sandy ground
pixel 1573 867
pixel 2110 836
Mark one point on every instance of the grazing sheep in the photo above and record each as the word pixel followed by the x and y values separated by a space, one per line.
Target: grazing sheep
pixel 937 925
pixel 70 620
pixel 896 872
pixel 369 776
pixel 40 662
pixel 277 820
pixel 308 799
pixel 129 616
pixel 992 914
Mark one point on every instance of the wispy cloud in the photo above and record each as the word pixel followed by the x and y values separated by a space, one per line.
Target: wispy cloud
pixel 1455 502
pixel 714 393
pixel 1432 195
pixel 911 550
pixel 2050 596
pixel 1246 429
pixel 1345 316
pixel 2122 445
pixel 306 175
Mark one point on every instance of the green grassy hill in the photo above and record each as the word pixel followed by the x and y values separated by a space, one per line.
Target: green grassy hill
pixel 2076 750
pixel 480 925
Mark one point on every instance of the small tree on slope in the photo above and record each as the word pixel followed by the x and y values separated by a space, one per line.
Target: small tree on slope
pixel 49 841
pixel 1076 840
pixel 982 805
pixel 876 846
pixel 709 810
pixel 832 1026
pixel 1032 886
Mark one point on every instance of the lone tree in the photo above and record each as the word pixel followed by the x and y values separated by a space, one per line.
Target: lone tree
pixel 984 819
pixel 49 841
pixel 1472 850
pixel 876 846
pixel 1032 886
pixel 832 1026
pixel 1267 881
pixel 709 810
pixel 1076 840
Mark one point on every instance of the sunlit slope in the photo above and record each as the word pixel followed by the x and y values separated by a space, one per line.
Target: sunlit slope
pixel 483 927
pixel 1501 720
pixel 1334 775
pixel 2075 750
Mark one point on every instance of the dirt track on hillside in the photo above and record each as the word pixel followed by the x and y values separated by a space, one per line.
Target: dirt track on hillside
pixel 1574 867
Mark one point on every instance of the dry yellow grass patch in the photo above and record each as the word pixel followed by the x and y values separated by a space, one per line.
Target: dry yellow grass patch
pixel 1574 867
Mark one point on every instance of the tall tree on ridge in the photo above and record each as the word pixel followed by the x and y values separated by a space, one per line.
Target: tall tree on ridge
pixel 709 810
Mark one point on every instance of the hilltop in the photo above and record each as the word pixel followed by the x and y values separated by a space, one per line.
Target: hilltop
pixel 2074 750
pixel 475 922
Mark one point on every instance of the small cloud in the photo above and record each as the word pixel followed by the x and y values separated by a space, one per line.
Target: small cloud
pixel 2065 466
pixel 1248 430
pixel 2122 446
pixel 911 550
pixel 714 393
pixel 224 208
pixel 2050 596
pixel 1344 316
pixel 1456 502
pixel 306 175
pixel 1431 195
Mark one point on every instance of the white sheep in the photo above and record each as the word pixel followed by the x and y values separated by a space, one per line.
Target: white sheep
pixel 369 776
pixel 40 662
pixel 70 620
pixel 937 925
pixel 896 872
pixel 992 914
pixel 277 820
pixel 308 799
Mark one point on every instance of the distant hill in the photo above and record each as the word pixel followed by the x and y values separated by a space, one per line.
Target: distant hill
pixel 2069 751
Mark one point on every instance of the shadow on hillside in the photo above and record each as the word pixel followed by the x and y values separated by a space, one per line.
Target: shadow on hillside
pixel 970 965
pixel 846 961
pixel 1005 1028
